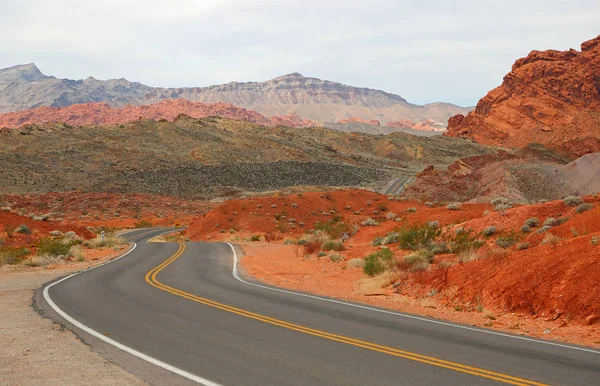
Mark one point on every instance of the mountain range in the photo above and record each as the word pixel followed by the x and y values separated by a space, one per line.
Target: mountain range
pixel 25 86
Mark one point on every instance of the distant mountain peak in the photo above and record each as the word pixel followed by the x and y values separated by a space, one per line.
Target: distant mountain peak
pixel 22 72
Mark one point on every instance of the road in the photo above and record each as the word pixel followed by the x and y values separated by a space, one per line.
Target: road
pixel 397 187
pixel 179 306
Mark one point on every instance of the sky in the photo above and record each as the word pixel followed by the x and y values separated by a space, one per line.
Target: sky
pixel 425 51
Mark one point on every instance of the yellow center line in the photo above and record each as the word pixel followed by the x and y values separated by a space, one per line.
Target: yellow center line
pixel 152 280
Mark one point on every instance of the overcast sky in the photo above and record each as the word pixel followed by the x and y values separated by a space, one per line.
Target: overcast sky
pixel 425 51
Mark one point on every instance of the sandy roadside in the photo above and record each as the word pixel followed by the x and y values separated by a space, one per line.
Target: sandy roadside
pixel 37 351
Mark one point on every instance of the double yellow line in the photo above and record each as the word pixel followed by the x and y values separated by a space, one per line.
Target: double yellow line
pixel 151 279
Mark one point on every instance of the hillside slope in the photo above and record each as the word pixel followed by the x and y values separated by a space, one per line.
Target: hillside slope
pixel 203 157
pixel 550 97
pixel 24 87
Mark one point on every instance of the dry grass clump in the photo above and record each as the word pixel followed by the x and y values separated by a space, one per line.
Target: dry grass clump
pixel 551 239
pixel 583 208
pixel 419 260
pixel 356 262
pixel 43 260
pixel 374 285
pixel 454 206
pixel 468 255
pixel 572 200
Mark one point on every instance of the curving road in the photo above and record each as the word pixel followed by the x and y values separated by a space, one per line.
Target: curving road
pixel 397 187
pixel 179 316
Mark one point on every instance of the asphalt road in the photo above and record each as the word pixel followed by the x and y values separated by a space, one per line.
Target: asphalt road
pixel 180 305
pixel 398 186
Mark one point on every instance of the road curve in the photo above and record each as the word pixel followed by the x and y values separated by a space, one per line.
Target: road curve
pixel 397 187
pixel 180 305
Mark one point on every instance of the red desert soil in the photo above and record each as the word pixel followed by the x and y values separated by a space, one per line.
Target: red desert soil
pixel 113 210
pixel 548 291
pixel 101 113
pixel 550 97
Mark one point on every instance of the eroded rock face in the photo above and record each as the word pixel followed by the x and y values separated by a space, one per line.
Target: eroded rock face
pixel 550 97
pixel 101 113
pixel 373 122
pixel 426 125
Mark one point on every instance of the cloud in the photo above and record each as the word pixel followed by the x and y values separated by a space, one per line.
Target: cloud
pixel 422 50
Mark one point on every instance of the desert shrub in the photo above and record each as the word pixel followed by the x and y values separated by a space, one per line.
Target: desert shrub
pixel 356 262
pixel 257 238
pixel 332 245
pixel 24 229
pixel 501 204
pixel 378 262
pixel 390 216
pixel 433 224
pixel 54 246
pixel 75 253
pixel 454 206
pixel 583 208
pixel 544 229
pixel 11 256
pixel 391 238
pixel 595 240
pixel 377 241
pixel 522 246
pixel 418 237
pixel 525 228
pixel 302 242
pixel 369 223
pixel 382 207
pixel 9 229
pixel 489 231
pixel 321 254
pixel 418 260
pixel 532 222
pixel 464 241
pixel 468 255
pixel 551 239
pixel 440 248
pixel 549 221
pixel 336 257
pixel 333 228
pixel 107 242
pixel 143 224
pixel 411 210
pixel 572 200
pixel 507 241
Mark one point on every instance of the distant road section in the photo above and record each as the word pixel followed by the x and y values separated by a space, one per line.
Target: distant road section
pixel 397 187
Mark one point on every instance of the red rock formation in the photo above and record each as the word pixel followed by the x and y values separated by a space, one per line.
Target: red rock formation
pixel 427 125
pixel 550 97
pixel 101 113
pixel 373 122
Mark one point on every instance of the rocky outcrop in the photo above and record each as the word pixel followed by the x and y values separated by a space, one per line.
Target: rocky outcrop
pixel 372 122
pixel 427 125
pixel 102 113
pixel 25 87
pixel 550 97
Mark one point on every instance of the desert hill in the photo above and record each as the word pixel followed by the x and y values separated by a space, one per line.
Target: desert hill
pixel 25 87
pixel 200 158
pixel 550 97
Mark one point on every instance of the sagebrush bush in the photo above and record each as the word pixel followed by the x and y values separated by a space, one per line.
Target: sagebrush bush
pixel 583 208
pixel 390 216
pixel 572 200
pixel 532 222
pixel 522 246
pixel 377 241
pixel 391 238
pixel 507 241
pixel 525 228
pixel 418 237
pixel 489 231
pixel 336 257
pixel 454 206
pixel 321 254
pixel 501 204
pixel 433 224
pixel 549 221
pixel 544 229
pixel 411 210
pixel 595 240
pixel 465 240
pixel 257 238
pixel 439 248
pixel 369 223
pixel 378 262
pixel 332 245
pixel 418 260
pixel 24 229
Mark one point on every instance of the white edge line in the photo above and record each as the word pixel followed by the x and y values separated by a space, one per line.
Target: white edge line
pixel 237 277
pixel 110 341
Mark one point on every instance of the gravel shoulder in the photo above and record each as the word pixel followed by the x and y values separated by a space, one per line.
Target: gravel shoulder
pixel 36 350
